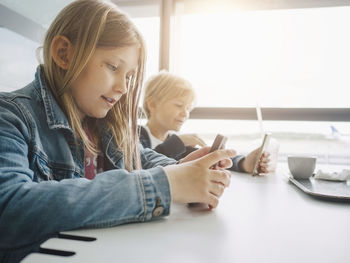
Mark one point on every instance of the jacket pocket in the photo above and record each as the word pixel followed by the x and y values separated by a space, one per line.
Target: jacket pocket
pixel 43 170
pixel 46 170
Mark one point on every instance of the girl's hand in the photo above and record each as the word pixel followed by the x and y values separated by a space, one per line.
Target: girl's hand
pixel 224 164
pixel 249 161
pixel 195 182
pixel 196 154
pixel 191 140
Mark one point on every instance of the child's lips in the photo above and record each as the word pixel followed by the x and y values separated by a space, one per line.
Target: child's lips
pixel 110 101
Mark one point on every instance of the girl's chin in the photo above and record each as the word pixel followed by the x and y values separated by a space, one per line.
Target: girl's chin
pixel 98 115
pixel 177 128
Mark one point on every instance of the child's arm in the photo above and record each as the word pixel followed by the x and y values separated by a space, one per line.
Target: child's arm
pixel 32 209
pixel 172 147
pixel 192 139
pixel 246 164
pixel 151 158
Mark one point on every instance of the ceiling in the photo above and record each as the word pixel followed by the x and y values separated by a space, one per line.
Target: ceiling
pixel 38 11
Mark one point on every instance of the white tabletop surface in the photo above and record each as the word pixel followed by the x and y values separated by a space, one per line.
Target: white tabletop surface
pixel 259 219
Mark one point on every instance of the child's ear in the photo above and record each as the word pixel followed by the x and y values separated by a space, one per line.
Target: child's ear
pixel 62 51
pixel 152 105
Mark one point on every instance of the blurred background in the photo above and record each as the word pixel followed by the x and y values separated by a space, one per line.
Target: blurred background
pixel 288 57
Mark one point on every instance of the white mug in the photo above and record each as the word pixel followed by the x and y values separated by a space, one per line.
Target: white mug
pixel 301 167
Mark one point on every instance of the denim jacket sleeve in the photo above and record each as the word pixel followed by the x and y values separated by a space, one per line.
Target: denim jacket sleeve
pixel 31 211
pixel 151 158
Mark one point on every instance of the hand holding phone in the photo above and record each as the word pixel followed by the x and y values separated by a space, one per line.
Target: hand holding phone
pixel 219 143
pixel 263 147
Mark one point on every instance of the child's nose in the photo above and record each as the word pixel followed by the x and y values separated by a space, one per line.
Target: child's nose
pixel 120 85
pixel 185 113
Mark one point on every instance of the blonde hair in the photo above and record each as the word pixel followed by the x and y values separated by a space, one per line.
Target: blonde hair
pixel 165 86
pixel 90 24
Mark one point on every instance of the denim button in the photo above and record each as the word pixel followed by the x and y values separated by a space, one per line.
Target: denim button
pixel 158 211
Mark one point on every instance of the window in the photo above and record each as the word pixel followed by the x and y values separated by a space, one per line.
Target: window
pixel 145 15
pixel 282 58
pixel 18 57
pixel 277 58
pixel 149 28
pixel 17 60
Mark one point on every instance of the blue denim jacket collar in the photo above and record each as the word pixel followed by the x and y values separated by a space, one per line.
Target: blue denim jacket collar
pixel 56 119
pixel 109 147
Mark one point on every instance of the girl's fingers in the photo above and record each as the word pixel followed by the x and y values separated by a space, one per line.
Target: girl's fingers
pixel 225 164
pixel 213 201
pixel 212 158
pixel 216 189
pixel 196 154
pixel 220 176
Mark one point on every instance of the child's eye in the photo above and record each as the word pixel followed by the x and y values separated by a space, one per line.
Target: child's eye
pixel 111 67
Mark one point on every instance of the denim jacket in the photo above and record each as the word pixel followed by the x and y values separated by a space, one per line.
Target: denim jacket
pixel 42 185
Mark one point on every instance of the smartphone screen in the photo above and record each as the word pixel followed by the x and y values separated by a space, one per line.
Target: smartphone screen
pixel 263 147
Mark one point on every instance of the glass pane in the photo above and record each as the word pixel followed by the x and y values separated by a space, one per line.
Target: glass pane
pixel 40 11
pixel 17 60
pixel 18 56
pixel 149 28
pixel 277 58
pixel 146 18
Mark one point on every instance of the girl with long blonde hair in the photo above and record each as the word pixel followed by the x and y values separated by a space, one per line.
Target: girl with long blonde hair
pixel 69 154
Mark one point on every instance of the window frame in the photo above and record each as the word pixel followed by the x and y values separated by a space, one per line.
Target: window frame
pixel 249 113
pixel 34 31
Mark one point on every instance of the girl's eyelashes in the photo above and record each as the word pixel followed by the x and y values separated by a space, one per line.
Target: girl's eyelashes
pixel 181 105
pixel 111 67
pixel 114 69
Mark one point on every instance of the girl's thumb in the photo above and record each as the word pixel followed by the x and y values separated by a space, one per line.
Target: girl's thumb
pixel 214 157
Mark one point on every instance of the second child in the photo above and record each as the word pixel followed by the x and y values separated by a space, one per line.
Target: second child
pixel 167 102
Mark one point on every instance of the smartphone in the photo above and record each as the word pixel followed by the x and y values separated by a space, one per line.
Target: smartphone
pixel 219 143
pixel 263 147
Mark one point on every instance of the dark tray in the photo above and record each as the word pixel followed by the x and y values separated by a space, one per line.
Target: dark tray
pixel 322 188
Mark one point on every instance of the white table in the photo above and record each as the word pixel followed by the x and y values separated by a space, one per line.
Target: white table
pixel 259 219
